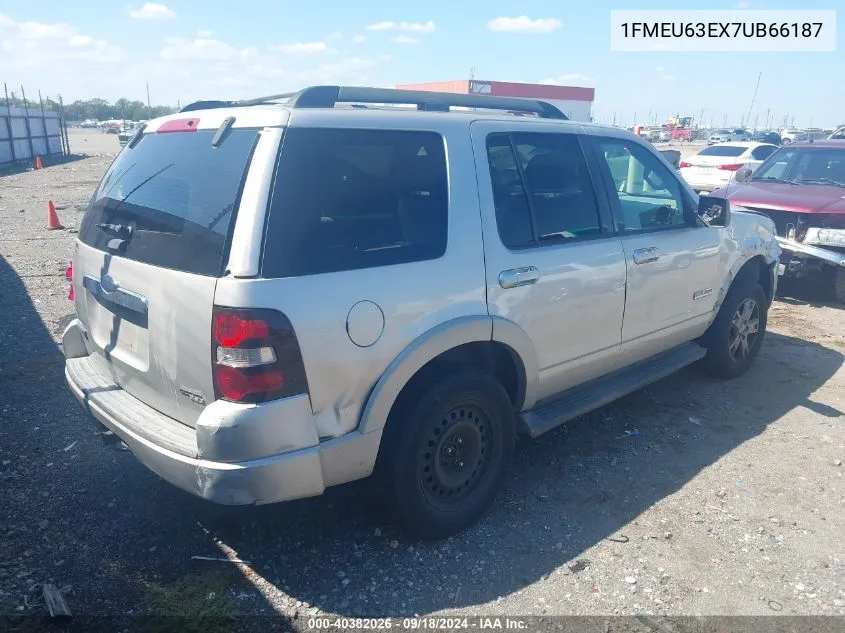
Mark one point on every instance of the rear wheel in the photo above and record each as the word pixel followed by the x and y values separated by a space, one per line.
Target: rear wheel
pixel 447 453
pixel 736 335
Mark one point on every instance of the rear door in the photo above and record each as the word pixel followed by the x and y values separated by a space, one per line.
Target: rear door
pixel 151 246
pixel 554 267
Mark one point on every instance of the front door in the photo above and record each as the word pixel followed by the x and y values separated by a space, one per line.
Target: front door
pixel 554 267
pixel 672 258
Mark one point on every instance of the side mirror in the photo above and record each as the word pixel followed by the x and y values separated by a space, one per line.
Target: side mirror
pixel 742 175
pixel 715 211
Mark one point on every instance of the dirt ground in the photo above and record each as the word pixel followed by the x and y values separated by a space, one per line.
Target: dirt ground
pixel 694 496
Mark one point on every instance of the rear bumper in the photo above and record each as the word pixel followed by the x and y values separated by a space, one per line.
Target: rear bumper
pixel 281 464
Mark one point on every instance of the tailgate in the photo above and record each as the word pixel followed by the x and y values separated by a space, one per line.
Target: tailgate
pixel 150 328
pixel 152 246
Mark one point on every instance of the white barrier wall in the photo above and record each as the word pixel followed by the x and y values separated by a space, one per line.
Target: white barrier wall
pixel 26 133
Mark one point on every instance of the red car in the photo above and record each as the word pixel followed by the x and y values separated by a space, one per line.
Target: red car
pixel 801 187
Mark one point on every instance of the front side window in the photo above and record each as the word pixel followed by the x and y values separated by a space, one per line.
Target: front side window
pixel 350 199
pixel 541 188
pixel 647 195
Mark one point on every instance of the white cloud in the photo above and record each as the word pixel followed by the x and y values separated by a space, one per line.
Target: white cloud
pixel 204 34
pixel 404 39
pixel 303 48
pixel 571 79
pixel 414 27
pixel 153 11
pixel 524 24
pixel 36 46
pixel 199 49
pixel 359 38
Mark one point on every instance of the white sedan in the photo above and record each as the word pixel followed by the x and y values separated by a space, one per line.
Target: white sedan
pixel 716 165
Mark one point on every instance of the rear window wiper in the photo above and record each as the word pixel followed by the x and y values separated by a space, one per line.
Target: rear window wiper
pixel 121 230
pixel 824 181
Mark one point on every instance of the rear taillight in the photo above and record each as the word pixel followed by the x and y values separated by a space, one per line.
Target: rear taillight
pixel 69 276
pixel 255 356
pixel 734 167
pixel 684 163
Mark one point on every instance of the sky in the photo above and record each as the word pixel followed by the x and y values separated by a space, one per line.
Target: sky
pixel 189 50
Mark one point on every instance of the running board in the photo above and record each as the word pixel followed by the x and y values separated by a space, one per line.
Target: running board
pixel 585 398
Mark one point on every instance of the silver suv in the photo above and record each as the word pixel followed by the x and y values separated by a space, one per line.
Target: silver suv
pixel 289 293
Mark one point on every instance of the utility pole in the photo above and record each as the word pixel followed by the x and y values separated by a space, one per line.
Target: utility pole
pixel 756 116
pixel 149 108
pixel 701 118
pixel 725 122
pixel 649 116
pixel 768 118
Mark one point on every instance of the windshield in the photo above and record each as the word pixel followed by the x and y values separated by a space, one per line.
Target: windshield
pixel 169 200
pixel 723 150
pixel 822 165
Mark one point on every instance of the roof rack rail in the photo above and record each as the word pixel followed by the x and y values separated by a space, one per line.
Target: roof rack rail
pixel 208 105
pixel 329 96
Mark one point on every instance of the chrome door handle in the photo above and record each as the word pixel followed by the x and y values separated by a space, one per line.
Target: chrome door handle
pixel 514 277
pixel 646 255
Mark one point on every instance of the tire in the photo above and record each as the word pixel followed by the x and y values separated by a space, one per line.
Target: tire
pixel 736 335
pixel 839 286
pixel 464 421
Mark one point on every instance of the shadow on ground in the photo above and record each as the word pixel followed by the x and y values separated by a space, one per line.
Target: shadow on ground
pixel 94 520
pixel 22 166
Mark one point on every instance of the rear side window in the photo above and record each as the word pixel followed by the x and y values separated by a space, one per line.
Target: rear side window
pixel 723 150
pixel 351 199
pixel 541 189
pixel 762 152
pixel 178 194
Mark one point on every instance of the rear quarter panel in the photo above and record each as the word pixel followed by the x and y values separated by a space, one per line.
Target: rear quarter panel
pixel 414 298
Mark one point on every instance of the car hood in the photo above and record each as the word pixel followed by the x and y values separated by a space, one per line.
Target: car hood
pixel 778 196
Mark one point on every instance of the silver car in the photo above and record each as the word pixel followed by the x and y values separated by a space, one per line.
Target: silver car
pixel 286 294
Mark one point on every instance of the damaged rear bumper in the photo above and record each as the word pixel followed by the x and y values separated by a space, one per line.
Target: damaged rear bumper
pixel 237 454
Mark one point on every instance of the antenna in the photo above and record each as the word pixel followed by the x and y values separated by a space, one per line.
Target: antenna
pixel 754 96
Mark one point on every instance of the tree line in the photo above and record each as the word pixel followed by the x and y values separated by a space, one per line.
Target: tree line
pixel 99 109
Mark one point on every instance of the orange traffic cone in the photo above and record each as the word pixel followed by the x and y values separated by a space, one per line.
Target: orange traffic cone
pixel 38 164
pixel 52 217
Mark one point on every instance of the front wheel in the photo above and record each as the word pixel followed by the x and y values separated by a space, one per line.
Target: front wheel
pixel 446 454
pixel 736 335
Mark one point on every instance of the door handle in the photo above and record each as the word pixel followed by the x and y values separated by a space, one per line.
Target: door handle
pixel 514 277
pixel 646 255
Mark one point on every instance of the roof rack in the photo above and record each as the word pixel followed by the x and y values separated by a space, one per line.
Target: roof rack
pixel 329 96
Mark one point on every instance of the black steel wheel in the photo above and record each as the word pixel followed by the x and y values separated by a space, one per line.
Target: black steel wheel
pixel 445 455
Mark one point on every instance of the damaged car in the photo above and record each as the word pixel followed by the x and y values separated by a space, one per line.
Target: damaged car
pixel 801 187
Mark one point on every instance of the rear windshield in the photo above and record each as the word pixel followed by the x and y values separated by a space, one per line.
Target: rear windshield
pixel 178 193
pixel 351 199
pixel 722 150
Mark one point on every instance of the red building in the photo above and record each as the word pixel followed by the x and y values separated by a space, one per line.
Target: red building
pixel 575 102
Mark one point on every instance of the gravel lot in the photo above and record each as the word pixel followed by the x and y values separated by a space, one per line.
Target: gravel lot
pixel 728 499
